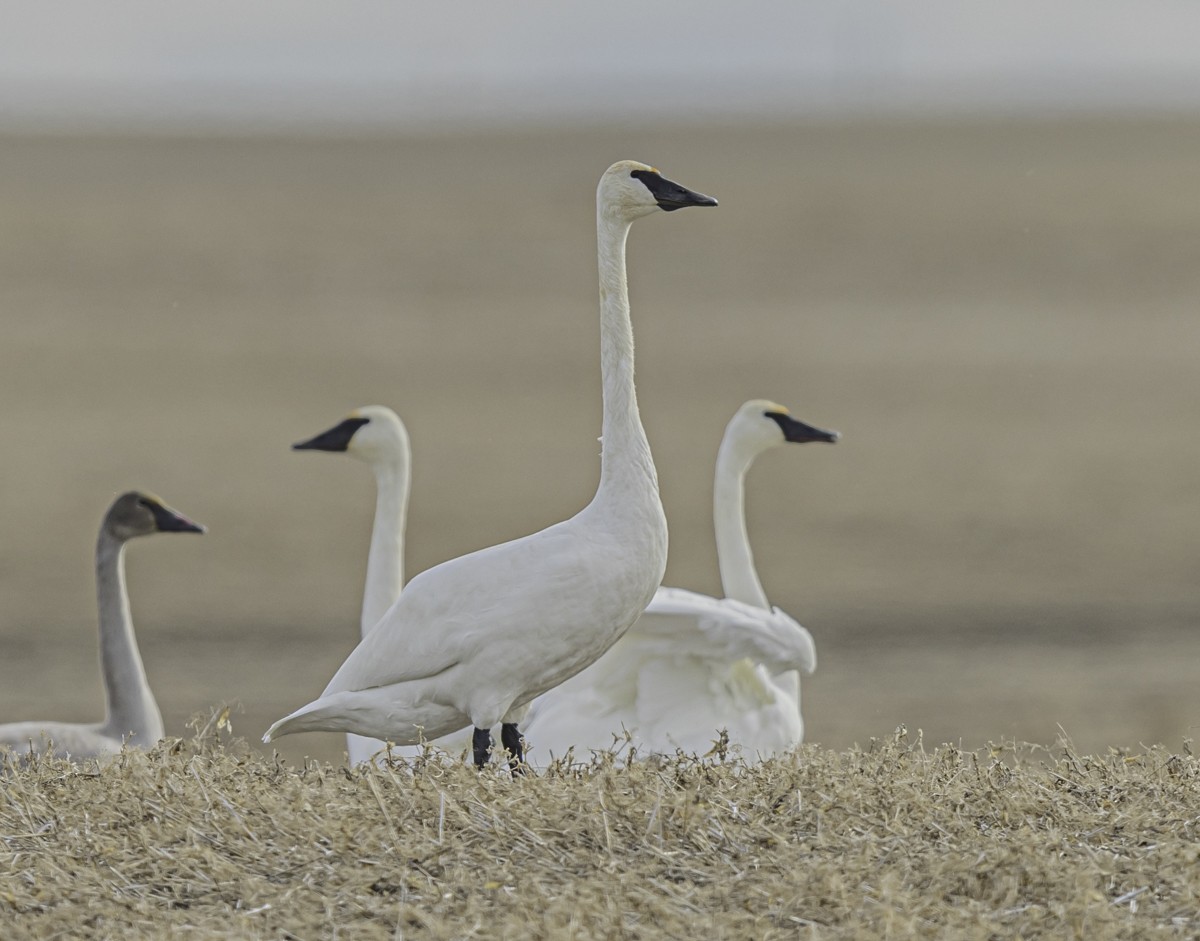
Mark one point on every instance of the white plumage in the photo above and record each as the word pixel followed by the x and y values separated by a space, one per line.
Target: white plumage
pixel 472 641
pixel 692 664
pixel 132 716
pixel 375 435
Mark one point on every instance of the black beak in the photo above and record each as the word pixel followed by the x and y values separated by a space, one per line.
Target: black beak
pixel 799 433
pixel 336 438
pixel 670 195
pixel 168 521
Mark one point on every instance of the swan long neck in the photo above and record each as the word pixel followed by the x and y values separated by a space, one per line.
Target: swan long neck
pixel 738 577
pixel 131 709
pixel 385 562
pixel 626 464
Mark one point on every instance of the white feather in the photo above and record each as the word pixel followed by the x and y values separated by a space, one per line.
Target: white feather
pixel 694 665
pixel 475 639
pixel 375 435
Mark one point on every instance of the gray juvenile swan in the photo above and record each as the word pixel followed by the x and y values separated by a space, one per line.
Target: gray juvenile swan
pixel 474 640
pixel 132 715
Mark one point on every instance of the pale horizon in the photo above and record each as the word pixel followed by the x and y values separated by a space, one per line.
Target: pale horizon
pixel 295 65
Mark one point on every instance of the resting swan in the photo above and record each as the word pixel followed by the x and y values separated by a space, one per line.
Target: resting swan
pixel 132 714
pixel 474 640
pixel 692 664
pixel 376 435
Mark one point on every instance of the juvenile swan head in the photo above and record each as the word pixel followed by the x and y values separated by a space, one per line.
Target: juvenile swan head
pixel 140 514
pixel 372 433
pixel 761 424
pixel 631 190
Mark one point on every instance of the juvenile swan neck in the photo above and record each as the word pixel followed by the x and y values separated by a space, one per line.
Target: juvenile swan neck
pixel 385 562
pixel 625 464
pixel 738 577
pixel 131 709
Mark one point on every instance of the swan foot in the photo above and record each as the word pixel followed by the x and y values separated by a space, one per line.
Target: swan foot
pixel 510 738
pixel 481 746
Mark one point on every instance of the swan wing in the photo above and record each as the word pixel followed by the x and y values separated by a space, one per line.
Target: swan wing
pixel 479 611
pixel 428 631
pixel 726 630
pixel 665 696
pixel 684 704
pixel 689 666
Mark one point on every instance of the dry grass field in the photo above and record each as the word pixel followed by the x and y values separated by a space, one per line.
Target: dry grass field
pixel 885 841
pixel 1000 319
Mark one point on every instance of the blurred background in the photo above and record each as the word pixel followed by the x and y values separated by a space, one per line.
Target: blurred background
pixel 966 238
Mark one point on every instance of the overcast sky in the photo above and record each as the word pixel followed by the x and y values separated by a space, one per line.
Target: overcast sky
pixel 296 62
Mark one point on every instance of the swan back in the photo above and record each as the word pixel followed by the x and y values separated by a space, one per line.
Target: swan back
pixel 20 740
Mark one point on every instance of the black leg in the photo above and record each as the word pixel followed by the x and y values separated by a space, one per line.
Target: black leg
pixel 481 742
pixel 510 738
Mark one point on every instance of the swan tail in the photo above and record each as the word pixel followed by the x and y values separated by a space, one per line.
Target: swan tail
pixel 325 715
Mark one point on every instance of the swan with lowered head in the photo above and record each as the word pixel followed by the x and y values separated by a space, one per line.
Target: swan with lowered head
pixel 474 640
pixel 692 664
pixel 375 435
pixel 132 715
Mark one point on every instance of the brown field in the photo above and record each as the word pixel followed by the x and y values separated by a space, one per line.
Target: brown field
pixel 887 841
pixel 1000 318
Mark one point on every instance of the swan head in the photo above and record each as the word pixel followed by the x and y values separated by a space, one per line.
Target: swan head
pixel 373 434
pixel 139 514
pixel 630 190
pixel 761 424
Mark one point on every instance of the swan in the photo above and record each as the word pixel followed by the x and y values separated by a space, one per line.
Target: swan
pixel 474 640
pixel 132 714
pixel 693 664
pixel 376 435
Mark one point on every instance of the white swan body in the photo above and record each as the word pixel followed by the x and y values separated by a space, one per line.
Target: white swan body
pixel 693 664
pixel 375 435
pixel 472 641
pixel 132 714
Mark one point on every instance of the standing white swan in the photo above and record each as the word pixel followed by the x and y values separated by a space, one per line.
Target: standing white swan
pixel 376 435
pixel 693 664
pixel 132 714
pixel 474 640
